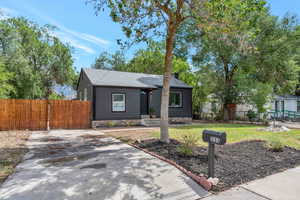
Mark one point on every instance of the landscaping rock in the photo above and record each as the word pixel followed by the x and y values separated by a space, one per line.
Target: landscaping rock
pixel 214 181
pixel 235 163
pixel 274 129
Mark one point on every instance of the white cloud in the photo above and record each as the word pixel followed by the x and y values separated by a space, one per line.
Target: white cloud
pixel 94 39
pixel 76 39
pixel 73 42
pixel 7 13
pixel 84 36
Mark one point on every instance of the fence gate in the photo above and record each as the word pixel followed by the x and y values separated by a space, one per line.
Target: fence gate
pixel 39 114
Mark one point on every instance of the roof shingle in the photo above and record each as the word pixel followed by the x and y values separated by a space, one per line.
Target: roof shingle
pixel 99 77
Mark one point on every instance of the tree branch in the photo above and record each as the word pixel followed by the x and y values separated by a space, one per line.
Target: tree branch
pixel 164 8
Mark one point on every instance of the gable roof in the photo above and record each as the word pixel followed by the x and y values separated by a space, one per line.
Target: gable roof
pixel 99 77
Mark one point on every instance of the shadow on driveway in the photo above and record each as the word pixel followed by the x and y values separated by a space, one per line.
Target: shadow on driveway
pixel 84 164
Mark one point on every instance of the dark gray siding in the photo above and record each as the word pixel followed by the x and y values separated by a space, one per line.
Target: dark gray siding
pixel 85 83
pixel 103 103
pixel 184 111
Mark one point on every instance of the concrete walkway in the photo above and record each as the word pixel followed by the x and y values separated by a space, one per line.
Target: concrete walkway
pixel 85 165
pixel 281 186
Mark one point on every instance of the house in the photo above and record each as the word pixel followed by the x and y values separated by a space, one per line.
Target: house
pixel 128 98
pixel 285 106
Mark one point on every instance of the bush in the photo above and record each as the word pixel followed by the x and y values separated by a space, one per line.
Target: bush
pixel 189 141
pixel 275 146
pixel 111 124
pixel 129 123
pixel 251 115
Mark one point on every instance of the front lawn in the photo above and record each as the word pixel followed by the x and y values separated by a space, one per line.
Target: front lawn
pixel 237 133
pixel 244 158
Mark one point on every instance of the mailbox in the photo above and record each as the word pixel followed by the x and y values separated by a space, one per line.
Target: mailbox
pixel 214 137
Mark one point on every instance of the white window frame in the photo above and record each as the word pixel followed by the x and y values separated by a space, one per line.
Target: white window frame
pixel 180 95
pixel 118 106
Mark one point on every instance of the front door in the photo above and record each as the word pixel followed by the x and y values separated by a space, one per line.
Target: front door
pixel 144 102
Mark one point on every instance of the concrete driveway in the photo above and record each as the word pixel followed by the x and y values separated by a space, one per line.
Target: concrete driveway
pixel 84 164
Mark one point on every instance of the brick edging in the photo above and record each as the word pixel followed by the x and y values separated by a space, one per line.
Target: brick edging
pixel 201 180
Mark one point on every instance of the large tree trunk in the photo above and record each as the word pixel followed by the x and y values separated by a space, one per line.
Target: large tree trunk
pixel 164 111
pixel 227 111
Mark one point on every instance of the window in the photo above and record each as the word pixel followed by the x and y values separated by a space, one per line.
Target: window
pixel 298 106
pixel 175 99
pixel 118 102
pixel 85 94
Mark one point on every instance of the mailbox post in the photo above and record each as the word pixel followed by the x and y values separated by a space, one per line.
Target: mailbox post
pixel 213 137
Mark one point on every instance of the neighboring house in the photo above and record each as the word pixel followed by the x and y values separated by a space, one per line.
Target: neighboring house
pixel 280 106
pixel 128 97
pixel 286 103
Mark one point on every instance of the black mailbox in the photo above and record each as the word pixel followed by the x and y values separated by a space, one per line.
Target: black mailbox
pixel 214 137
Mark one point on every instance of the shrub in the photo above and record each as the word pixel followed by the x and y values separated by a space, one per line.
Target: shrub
pixel 189 141
pixel 129 123
pixel 151 111
pixel 111 124
pixel 275 146
pixel 251 115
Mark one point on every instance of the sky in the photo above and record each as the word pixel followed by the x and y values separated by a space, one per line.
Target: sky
pixel 88 34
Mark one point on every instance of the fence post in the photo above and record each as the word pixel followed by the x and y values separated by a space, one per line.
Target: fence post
pixel 48 115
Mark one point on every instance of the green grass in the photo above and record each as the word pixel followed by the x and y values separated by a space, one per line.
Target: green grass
pixel 237 133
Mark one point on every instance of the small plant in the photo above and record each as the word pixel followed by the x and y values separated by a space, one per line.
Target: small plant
pixel 129 123
pixel 111 124
pixel 151 112
pixel 189 141
pixel 275 146
pixel 251 115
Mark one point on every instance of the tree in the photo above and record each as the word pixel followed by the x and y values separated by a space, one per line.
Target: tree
pixel 256 58
pixel 142 18
pixel 5 88
pixel 115 61
pixel 37 59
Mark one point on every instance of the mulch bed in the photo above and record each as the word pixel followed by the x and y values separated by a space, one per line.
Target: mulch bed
pixel 235 163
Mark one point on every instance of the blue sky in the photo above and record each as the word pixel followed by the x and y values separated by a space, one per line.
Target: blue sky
pixel 90 34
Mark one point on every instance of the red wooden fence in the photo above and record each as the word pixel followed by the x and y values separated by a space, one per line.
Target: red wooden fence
pixel 37 114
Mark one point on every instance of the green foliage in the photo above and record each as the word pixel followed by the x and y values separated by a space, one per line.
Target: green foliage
pixel 251 63
pixel 6 89
pixel 129 123
pixel 260 96
pixel 275 146
pixel 151 111
pixel 36 59
pixel 111 124
pixel 115 61
pixel 188 143
pixel 55 96
pixel 251 115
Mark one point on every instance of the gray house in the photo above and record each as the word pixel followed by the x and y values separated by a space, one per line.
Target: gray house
pixel 125 97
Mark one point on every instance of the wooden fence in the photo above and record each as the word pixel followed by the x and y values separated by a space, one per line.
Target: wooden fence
pixel 41 114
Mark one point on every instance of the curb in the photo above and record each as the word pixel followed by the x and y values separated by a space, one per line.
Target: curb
pixel 201 180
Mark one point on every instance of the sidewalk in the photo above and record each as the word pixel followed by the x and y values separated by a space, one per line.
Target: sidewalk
pixel 281 186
